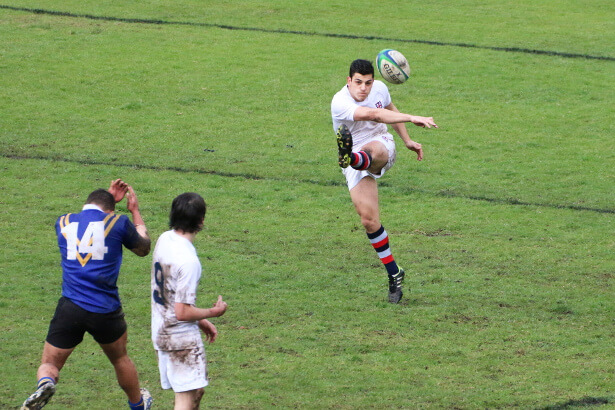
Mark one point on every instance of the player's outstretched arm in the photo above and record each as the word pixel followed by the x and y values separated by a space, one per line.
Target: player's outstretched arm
pixel 390 116
pixel 144 244
pixel 425 122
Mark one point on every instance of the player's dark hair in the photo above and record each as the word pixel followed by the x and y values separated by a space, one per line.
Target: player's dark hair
pixel 363 67
pixel 187 212
pixel 102 198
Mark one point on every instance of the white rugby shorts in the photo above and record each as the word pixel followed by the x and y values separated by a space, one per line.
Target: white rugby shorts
pixel 353 176
pixel 183 370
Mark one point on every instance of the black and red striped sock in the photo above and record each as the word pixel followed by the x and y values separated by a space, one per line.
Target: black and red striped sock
pixel 360 160
pixel 380 242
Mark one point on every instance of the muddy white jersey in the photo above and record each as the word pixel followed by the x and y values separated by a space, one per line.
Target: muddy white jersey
pixel 176 271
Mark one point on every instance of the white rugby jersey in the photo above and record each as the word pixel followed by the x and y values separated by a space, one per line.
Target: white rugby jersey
pixel 176 271
pixel 343 107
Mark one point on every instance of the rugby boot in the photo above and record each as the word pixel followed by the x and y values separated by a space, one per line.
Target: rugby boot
pixel 147 399
pixel 344 146
pixel 40 397
pixel 395 281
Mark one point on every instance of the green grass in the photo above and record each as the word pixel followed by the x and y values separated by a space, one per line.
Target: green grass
pixel 505 229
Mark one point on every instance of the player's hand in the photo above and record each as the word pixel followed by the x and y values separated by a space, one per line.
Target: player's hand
pixel 133 202
pixel 425 122
pixel 118 189
pixel 416 147
pixel 209 330
pixel 219 306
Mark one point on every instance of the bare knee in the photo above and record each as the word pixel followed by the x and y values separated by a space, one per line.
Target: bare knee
pixel 379 156
pixel 370 223
pixel 378 162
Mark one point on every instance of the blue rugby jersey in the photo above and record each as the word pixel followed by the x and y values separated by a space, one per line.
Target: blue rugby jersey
pixel 90 243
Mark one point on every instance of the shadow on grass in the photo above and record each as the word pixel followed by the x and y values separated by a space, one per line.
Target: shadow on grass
pixel 584 402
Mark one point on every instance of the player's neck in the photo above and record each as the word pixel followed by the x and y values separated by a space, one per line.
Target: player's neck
pixel 188 235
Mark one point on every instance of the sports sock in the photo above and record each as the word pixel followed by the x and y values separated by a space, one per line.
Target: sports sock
pixel 380 242
pixel 44 380
pixel 360 160
pixel 137 406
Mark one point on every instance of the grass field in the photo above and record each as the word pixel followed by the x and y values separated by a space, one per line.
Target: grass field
pixel 505 228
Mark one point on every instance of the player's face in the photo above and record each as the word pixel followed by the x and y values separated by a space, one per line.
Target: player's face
pixel 360 86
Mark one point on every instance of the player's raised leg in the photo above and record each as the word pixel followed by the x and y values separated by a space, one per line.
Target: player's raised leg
pixel 378 154
pixel 360 160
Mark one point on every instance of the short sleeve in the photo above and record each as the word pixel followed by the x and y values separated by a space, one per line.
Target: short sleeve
pixel 387 99
pixel 383 91
pixel 131 237
pixel 342 109
pixel 188 275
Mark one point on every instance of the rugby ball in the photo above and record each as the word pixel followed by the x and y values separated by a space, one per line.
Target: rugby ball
pixel 393 66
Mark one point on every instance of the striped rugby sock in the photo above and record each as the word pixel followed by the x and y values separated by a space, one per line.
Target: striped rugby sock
pixel 360 160
pixel 380 242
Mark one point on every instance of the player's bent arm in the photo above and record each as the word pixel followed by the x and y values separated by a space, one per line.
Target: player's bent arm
pixel 144 243
pixel 400 128
pixel 208 328
pixel 118 189
pixel 190 313
pixel 402 131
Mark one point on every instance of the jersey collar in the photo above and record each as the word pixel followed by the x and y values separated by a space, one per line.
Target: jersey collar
pixel 91 206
